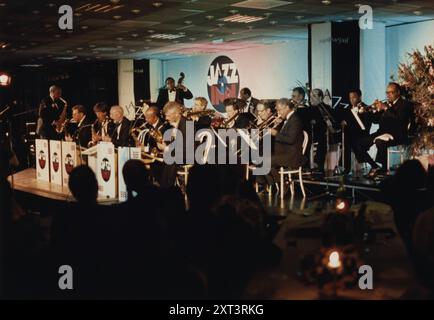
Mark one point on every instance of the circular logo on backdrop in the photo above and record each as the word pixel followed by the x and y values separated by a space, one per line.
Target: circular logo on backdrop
pixel 223 81
pixel 105 169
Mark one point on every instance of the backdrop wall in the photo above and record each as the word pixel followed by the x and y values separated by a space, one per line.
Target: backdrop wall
pixel 405 38
pixel 270 71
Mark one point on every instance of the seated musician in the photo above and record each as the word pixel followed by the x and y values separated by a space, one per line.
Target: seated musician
pixel 305 114
pixel 324 129
pixel 201 121
pixel 264 111
pixel 236 118
pixel 120 136
pixel 173 114
pixel 153 122
pixel 288 144
pixel 356 124
pixel 103 126
pixel 79 130
pixel 394 119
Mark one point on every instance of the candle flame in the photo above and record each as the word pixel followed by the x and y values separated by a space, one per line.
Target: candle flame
pixel 341 205
pixel 334 261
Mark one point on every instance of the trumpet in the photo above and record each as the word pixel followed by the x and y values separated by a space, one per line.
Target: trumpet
pixel 374 107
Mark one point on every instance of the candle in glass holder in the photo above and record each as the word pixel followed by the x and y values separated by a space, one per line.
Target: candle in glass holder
pixel 334 260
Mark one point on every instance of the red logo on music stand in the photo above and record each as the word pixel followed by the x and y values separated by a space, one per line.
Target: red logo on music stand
pixel 69 163
pixel 55 161
pixel 105 169
pixel 42 159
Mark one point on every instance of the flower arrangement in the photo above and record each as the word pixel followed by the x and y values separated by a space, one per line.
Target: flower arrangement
pixel 417 80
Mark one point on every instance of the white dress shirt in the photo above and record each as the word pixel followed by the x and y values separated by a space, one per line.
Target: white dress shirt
pixel 172 95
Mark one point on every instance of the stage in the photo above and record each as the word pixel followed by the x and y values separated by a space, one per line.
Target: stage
pixel 42 196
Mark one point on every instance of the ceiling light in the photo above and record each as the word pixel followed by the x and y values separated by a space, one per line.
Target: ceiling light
pixel 2 4
pixel 151 31
pixel 115 1
pixel 47 25
pixel 273 22
pixel 79 48
pixel 135 11
pixel 326 2
pixel 188 22
pixel 134 35
pixel 119 47
pixel 84 27
pixel 299 17
pixel 57 35
pixel 117 17
pixel 35 11
pixel 119 38
pixel 242 18
pixel 51 5
pixel 92 46
pixel 358 5
pixel 77 14
pixel 417 12
pixel 157 4
pixel 209 17
pixel 221 25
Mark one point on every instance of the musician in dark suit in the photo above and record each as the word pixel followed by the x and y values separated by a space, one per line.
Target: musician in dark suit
pixel 204 121
pixel 356 124
pixel 173 114
pixel 121 133
pixel 288 145
pixel 103 125
pixel 324 128
pixel 394 119
pixel 171 93
pixel 234 110
pixel 153 123
pixel 305 113
pixel 250 102
pixel 50 110
pixel 80 128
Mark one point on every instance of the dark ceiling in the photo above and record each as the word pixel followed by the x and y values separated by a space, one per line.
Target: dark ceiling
pixel 113 29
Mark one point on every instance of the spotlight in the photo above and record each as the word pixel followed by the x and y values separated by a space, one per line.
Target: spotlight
pixel 5 79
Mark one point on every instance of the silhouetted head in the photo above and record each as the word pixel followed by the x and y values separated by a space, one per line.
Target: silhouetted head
pixel 204 186
pixel 83 184
pixel 136 176
pixel 411 175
